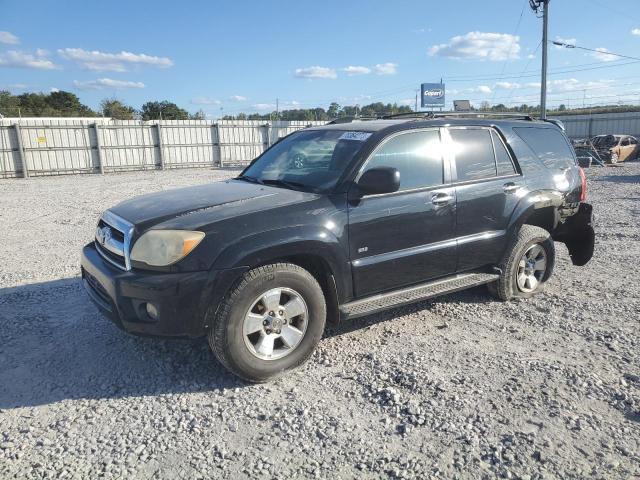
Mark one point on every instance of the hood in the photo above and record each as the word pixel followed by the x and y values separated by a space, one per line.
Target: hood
pixel 154 208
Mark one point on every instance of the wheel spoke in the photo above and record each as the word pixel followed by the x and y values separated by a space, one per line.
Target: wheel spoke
pixel 293 308
pixel 522 263
pixel 532 282
pixel 540 265
pixel 264 346
pixel 522 280
pixel 253 323
pixel 290 335
pixel 271 299
pixel 535 251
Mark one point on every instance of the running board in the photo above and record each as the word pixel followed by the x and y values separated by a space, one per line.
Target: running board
pixel 416 293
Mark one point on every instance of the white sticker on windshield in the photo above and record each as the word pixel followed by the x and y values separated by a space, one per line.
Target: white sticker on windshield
pixel 358 136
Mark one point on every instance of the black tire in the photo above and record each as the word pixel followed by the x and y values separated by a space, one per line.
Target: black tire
pixel 506 287
pixel 226 336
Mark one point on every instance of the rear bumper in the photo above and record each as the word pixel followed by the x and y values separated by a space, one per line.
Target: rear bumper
pixel 578 235
pixel 181 299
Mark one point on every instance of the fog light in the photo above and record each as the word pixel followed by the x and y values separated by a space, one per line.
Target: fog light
pixel 152 311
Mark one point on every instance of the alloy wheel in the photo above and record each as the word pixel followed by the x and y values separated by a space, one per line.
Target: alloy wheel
pixel 275 323
pixel 531 268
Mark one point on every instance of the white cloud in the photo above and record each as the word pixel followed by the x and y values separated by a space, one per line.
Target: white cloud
pixel 481 89
pixel 407 101
pixel 8 38
pixel 568 41
pixel 54 89
pixel 531 56
pixel 386 68
pixel 238 98
pixel 532 85
pixel 480 45
pixel 506 85
pixel 205 101
pixel 315 72
pixel 113 62
pixel 572 85
pixel 264 106
pixel 106 83
pixel 635 31
pixel 602 55
pixel 17 59
pixel 352 70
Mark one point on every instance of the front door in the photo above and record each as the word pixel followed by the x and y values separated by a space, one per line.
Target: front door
pixel 404 237
pixel 486 190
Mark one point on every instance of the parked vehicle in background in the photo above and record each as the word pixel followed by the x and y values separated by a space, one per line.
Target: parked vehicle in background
pixel 340 221
pixel 616 148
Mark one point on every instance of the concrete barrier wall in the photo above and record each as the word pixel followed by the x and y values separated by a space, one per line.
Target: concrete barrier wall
pixel 36 146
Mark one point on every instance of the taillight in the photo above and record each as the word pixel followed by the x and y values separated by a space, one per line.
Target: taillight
pixel 583 181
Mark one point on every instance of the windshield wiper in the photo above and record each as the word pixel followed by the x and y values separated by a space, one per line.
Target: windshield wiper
pixel 249 179
pixel 287 184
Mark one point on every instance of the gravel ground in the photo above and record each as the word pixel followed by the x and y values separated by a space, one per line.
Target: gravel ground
pixel 459 387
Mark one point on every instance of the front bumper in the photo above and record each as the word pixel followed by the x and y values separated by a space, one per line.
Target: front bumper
pixel 181 299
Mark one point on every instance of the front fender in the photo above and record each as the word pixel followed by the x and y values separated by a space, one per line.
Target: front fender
pixel 261 248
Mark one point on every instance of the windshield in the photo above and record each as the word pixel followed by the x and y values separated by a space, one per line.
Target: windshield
pixel 605 141
pixel 309 160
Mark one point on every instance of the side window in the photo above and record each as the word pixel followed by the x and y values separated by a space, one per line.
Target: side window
pixel 416 155
pixel 503 160
pixel 474 153
pixel 625 142
pixel 633 141
pixel 549 145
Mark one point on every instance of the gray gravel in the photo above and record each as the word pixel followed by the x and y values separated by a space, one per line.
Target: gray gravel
pixel 459 387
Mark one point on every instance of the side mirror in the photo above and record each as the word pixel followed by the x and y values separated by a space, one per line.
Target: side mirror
pixel 379 180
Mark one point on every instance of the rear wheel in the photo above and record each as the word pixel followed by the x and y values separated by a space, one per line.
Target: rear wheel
pixel 269 323
pixel 527 264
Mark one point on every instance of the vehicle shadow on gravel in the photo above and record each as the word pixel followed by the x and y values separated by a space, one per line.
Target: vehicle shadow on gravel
pixel 55 346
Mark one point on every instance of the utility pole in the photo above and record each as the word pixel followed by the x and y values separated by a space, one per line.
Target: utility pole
pixel 277 109
pixel 416 109
pixel 537 6
pixel 545 45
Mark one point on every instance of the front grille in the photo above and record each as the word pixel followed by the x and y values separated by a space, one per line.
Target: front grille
pixel 97 288
pixel 113 237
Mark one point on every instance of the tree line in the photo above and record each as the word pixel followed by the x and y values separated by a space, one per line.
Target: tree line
pixel 66 104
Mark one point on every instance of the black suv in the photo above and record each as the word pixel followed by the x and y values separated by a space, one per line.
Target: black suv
pixel 340 221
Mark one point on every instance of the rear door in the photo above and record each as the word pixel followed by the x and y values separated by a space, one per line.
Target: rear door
pixel 405 237
pixel 486 184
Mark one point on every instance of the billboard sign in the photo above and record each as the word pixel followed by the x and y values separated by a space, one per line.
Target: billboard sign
pixel 432 95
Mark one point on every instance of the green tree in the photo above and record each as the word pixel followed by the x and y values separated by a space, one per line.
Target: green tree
pixel 114 108
pixel 68 105
pixel 334 110
pixel 164 110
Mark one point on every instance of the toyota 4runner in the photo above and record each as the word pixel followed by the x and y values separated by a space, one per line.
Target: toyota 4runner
pixel 340 221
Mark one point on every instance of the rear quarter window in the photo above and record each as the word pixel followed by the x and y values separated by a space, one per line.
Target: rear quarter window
pixel 549 145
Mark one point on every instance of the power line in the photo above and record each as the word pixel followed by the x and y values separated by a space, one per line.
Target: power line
pixel 601 51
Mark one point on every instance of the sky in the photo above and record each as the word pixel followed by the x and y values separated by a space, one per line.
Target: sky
pixel 227 57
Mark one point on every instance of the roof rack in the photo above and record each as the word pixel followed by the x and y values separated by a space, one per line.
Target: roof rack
pixel 519 116
pixel 349 120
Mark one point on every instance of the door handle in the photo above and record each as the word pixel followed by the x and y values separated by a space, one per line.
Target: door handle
pixel 441 198
pixel 510 187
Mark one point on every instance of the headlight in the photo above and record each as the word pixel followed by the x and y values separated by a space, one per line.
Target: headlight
pixel 161 248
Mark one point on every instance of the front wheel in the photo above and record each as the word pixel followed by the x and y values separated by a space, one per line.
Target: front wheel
pixel 270 322
pixel 527 264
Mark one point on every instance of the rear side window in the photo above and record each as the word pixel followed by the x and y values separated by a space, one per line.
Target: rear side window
pixel 473 151
pixel 416 155
pixel 549 145
pixel 503 160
